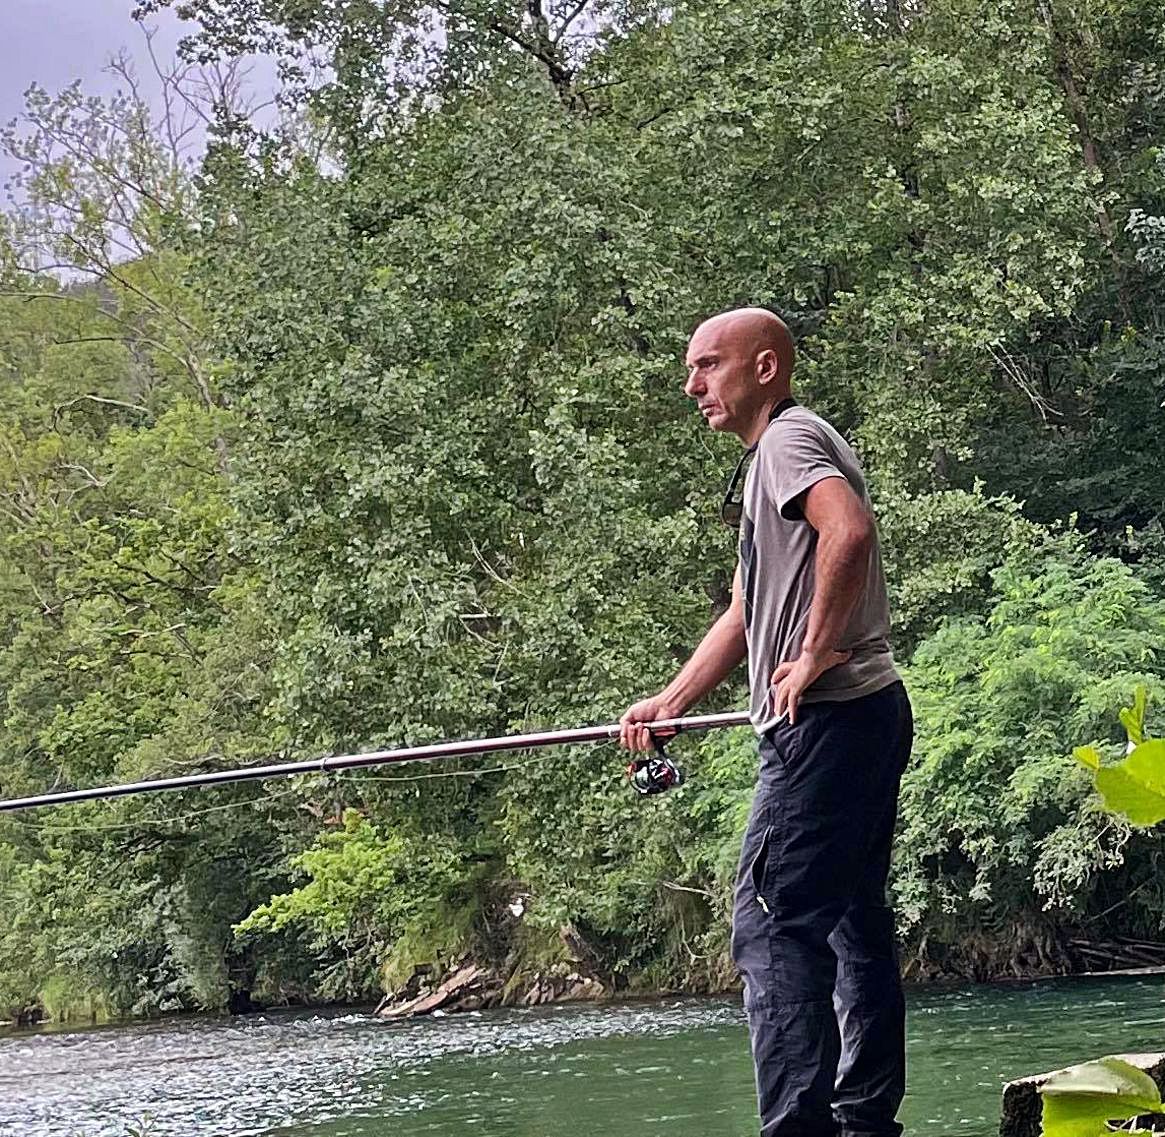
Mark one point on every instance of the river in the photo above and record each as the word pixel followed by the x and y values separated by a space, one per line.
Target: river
pixel 678 1068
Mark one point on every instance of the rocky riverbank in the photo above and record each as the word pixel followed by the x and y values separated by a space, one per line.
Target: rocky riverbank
pixel 469 986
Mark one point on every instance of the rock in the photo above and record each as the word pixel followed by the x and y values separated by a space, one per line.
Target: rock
pixel 559 985
pixel 584 987
pixel 473 987
pixel 534 995
pixel 30 1015
pixel 459 983
pixel 419 983
pixel 1022 1105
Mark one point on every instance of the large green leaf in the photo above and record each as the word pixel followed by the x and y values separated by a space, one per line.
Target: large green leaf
pixel 1080 1101
pixel 1135 786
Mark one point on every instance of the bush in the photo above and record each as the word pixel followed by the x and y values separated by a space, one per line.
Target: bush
pixel 1001 851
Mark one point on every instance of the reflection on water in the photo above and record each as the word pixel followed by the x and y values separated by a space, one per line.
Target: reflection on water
pixel 679 1068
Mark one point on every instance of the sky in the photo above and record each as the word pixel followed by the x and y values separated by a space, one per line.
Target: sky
pixel 53 42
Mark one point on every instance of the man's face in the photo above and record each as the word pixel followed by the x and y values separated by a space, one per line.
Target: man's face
pixel 721 378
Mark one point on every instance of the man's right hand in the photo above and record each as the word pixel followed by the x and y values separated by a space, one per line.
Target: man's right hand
pixel 652 709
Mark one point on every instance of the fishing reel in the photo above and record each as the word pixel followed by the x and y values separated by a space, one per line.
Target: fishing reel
pixel 654 773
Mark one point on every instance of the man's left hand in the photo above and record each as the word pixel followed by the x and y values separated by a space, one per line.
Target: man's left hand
pixel 794 677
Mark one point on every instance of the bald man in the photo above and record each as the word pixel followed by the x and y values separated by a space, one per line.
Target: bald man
pixel 812 934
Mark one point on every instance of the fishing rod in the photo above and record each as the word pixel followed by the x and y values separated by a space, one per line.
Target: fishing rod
pixel 650 774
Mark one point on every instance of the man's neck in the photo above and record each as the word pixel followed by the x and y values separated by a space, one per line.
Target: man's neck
pixel 764 415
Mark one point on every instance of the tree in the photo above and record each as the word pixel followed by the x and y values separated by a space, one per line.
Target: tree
pixel 996 836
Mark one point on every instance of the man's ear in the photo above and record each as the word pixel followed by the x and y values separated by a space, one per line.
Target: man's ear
pixel 768 366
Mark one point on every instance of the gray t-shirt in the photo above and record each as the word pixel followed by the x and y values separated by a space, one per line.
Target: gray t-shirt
pixel 777 550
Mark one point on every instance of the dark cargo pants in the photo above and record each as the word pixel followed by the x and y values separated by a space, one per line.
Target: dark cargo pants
pixel 812 934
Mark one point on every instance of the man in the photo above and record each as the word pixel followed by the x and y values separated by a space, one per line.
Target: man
pixel 812 934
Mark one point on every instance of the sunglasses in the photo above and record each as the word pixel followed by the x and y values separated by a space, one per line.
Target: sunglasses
pixel 732 507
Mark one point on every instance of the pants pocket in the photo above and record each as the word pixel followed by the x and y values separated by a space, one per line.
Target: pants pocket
pixel 759 871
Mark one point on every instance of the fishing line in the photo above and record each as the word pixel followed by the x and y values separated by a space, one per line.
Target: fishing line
pixel 357 779
pixel 50 828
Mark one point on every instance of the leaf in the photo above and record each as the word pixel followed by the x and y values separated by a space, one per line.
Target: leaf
pixel 1133 718
pixel 1135 786
pixel 1087 756
pixel 1080 1101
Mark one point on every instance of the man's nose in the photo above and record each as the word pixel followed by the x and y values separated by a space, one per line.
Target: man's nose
pixel 694 386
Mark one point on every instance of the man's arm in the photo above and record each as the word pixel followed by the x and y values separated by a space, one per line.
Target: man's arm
pixel 716 656
pixel 845 535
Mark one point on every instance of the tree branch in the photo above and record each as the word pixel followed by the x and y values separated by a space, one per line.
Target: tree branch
pixel 571 16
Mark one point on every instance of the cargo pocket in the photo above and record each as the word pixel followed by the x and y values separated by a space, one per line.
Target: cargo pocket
pixel 759 870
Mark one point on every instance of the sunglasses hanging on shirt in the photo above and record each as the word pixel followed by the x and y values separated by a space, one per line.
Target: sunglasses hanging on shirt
pixel 732 507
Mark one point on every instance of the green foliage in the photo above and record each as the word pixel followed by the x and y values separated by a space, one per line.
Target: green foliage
pixel 1134 787
pixel 1088 1100
pixel 132 643
pixel 993 830
pixel 939 552
pixel 376 435
pixel 366 887
pixel 1133 718
pixel 1082 1100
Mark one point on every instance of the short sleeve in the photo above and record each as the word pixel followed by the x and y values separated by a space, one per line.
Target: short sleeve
pixel 794 457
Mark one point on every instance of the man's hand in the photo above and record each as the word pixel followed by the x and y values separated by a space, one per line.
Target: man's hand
pixel 793 678
pixel 652 709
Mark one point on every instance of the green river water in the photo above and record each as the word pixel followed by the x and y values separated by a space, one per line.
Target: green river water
pixel 674 1067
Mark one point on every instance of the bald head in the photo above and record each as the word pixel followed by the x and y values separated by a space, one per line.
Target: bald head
pixel 739 366
pixel 753 330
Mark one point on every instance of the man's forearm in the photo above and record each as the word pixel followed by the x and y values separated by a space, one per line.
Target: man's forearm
pixel 718 654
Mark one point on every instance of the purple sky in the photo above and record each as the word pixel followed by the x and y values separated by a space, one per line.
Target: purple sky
pixel 53 42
